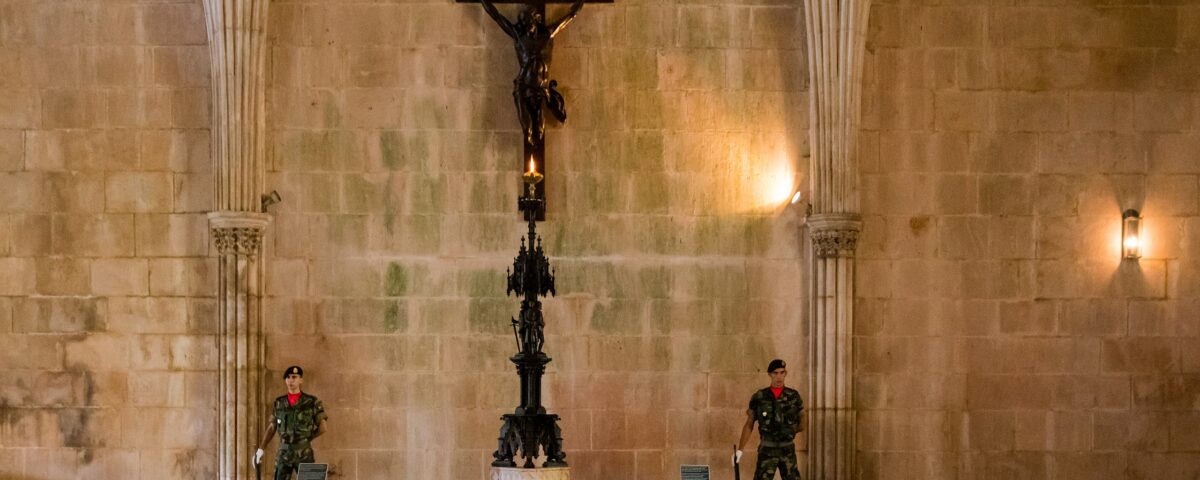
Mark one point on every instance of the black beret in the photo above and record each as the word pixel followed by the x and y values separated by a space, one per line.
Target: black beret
pixel 293 369
pixel 776 363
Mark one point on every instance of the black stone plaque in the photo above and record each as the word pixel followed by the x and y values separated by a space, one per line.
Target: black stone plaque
pixel 318 471
pixel 693 472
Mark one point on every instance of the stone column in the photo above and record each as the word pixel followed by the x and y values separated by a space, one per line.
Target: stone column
pixel 237 46
pixel 831 427
pixel 836 31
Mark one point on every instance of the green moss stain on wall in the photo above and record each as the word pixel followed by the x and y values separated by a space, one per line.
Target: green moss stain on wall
pixel 427 193
pixel 484 283
pixel 390 149
pixel 395 317
pixel 620 317
pixel 396 281
pixel 491 315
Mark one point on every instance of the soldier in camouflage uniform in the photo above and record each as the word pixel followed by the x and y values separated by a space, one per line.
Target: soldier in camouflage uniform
pixel 299 418
pixel 777 409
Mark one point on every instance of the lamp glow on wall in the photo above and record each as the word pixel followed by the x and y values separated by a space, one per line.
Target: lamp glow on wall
pixel 1131 235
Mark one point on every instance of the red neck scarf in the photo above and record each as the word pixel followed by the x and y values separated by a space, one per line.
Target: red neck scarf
pixel 777 392
pixel 292 399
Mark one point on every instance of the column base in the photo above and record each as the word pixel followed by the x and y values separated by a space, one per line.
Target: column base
pixel 512 473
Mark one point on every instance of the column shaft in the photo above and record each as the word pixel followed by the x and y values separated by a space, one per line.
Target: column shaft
pixel 240 344
pixel 237 46
pixel 836 33
pixel 831 354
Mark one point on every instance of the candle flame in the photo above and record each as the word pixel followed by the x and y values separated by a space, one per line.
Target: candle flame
pixel 532 166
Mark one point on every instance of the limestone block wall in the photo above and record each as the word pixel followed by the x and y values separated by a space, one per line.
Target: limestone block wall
pixel 397 152
pixel 106 353
pixel 1000 334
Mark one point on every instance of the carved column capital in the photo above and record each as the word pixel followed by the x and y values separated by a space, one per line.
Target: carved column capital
pixel 835 243
pixel 834 235
pixel 237 233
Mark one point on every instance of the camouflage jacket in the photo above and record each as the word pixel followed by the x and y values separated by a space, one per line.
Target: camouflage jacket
pixel 778 419
pixel 299 422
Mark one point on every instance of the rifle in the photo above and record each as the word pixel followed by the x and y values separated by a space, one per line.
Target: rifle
pixel 737 465
pixel 258 470
pixel 516 336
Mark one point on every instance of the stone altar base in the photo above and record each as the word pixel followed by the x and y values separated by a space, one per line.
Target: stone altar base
pixel 512 473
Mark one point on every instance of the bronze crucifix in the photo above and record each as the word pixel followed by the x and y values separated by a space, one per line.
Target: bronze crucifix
pixel 533 89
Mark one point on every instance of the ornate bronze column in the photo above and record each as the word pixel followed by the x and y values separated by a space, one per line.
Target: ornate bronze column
pixel 836 31
pixel 237 47
pixel 530 429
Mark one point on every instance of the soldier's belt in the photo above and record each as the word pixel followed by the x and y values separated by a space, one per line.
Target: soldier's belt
pixel 295 443
pixel 766 443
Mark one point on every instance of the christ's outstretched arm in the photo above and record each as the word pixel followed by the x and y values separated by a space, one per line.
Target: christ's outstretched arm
pixel 562 22
pixel 500 19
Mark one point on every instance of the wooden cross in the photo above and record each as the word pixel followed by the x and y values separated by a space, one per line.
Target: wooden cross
pixel 533 90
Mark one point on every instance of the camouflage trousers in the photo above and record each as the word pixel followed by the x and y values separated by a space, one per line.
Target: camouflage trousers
pixel 289 458
pixel 776 458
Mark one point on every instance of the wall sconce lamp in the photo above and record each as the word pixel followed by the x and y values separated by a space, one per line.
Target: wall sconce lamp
pixel 1131 238
pixel 270 199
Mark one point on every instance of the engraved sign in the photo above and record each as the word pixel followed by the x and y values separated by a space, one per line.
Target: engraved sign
pixel 313 471
pixel 693 472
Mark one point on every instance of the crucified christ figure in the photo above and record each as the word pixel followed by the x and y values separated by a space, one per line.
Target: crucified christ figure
pixel 533 89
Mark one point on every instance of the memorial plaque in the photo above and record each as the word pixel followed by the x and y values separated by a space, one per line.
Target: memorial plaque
pixel 693 472
pixel 317 471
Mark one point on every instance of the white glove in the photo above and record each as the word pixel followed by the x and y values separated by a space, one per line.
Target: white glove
pixel 737 457
pixel 258 456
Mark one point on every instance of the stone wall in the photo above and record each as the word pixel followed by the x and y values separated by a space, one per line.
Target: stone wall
pixel 106 353
pixel 397 152
pixel 1001 335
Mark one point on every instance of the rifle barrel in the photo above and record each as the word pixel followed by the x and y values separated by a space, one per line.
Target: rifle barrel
pixel 737 465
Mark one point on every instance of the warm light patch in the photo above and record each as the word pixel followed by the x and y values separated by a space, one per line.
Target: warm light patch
pixel 773 182
pixel 761 179
pixel 780 187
